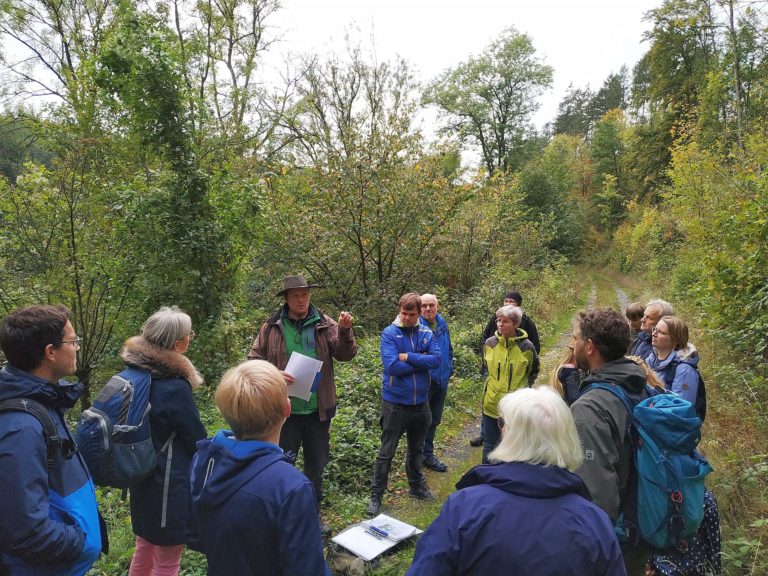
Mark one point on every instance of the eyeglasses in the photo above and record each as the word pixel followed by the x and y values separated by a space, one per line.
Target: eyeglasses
pixel 500 422
pixel 191 335
pixel 75 342
pixel 429 305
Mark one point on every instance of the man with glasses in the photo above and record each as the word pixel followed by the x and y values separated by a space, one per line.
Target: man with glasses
pixel 297 326
pixel 49 520
pixel 438 377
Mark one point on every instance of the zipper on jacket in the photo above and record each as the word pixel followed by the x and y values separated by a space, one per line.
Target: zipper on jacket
pixel 167 480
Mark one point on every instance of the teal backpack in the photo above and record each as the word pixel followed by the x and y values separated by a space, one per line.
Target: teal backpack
pixel 665 502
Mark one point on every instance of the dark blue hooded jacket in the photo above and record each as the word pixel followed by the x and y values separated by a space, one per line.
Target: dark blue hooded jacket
pixel 49 522
pixel 253 513
pixel 518 518
pixel 642 345
pixel 442 374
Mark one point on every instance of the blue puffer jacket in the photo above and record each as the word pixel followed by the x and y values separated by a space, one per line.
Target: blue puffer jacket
pixel 442 373
pixel 517 518
pixel 678 371
pixel 407 382
pixel 49 522
pixel 253 513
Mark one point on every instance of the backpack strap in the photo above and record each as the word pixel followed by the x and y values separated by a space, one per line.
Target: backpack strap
pixel 617 391
pixel 53 441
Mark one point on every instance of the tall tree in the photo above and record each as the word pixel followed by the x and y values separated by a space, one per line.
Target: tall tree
pixel 488 100
pixel 574 115
pixel 361 215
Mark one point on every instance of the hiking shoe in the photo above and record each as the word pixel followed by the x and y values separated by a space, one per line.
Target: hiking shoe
pixel 374 505
pixel 477 440
pixel 433 463
pixel 421 493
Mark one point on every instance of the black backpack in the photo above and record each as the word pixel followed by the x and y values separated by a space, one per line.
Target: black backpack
pixel 701 392
pixel 53 442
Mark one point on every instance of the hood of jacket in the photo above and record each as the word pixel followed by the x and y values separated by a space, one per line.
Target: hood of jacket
pixel 623 372
pixel 15 383
pixel 159 362
pixel 505 342
pixel 689 355
pixel 419 326
pixel 224 464
pixel 527 480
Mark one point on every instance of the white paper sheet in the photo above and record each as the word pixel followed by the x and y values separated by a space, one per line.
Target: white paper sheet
pixel 359 540
pixel 362 543
pixel 303 369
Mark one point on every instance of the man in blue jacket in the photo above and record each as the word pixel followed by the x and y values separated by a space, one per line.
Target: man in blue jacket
pixel 408 352
pixel 49 522
pixel 438 377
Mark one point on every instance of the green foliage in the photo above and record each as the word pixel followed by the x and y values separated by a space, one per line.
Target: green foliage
pixel 549 186
pixel 489 99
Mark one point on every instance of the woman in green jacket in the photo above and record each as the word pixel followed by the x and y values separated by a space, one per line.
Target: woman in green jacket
pixel 512 363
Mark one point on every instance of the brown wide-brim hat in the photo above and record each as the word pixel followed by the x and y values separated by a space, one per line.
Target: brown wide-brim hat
pixel 291 282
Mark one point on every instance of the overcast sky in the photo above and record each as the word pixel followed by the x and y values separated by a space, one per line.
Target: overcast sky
pixel 583 40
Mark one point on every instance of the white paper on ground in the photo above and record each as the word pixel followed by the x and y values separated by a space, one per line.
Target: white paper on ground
pixel 394 528
pixel 362 543
pixel 303 369
pixel 358 539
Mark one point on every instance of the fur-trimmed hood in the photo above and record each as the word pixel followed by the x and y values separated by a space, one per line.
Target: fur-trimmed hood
pixel 159 362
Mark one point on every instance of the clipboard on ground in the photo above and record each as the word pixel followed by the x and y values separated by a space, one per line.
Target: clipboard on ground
pixel 371 538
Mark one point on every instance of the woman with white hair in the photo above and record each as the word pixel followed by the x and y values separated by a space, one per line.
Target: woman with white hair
pixel 527 513
pixel 159 503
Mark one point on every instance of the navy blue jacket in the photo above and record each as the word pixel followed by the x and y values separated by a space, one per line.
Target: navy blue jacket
pixel 642 346
pixel 518 518
pixel 442 373
pixel 159 503
pixel 253 513
pixel 49 522
pixel 407 382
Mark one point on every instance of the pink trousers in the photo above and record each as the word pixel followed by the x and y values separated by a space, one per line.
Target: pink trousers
pixel 151 560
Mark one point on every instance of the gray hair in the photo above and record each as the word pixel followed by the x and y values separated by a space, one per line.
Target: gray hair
pixel 514 313
pixel 666 308
pixel 538 429
pixel 166 327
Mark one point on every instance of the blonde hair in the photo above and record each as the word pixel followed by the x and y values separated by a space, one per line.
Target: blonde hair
pixel 251 397
pixel 538 429
pixel 166 327
pixel 650 376
pixel 554 380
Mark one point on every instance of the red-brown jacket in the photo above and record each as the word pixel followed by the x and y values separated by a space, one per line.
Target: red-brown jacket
pixel 332 343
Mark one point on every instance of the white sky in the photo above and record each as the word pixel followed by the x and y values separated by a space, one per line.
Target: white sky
pixel 583 40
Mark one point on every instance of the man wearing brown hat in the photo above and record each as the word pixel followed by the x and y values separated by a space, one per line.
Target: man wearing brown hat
pixel 297 326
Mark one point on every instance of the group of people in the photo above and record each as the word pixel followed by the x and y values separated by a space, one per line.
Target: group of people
pixel 550 474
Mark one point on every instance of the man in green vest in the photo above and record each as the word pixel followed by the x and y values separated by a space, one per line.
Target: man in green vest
pixel 297 326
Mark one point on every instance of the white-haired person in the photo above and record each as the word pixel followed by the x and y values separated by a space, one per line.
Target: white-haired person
pixel 512 363
pixel 252 511
pixel 527 512
pixel 159 503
